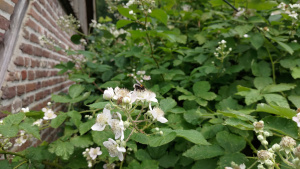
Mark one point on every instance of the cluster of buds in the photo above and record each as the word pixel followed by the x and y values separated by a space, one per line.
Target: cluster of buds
pixel 91 155
pixel 22 139
pixel 221 50
pixel 266 157
pixel 262 135
pixel 139 76
pixel 68 23
pixel 4 142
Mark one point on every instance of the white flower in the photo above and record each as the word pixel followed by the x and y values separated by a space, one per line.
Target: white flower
pixel 282 6
pixel 118 127
pixel 49 103
pixel 294 5
pixel 25 110
pixel 140 72
pixel 131 12
pixel 297 119
pixel 38 122
pixel 102 120
pixel 120 93
pixel 48 114
pixel 158 114
pixel 94 152
pixel 145 95
pixel 109 166
pixel 149 11
pixel 145 77
pixel 186 7
pixel 114 149
pixel 246 36
pixel 240 12
pixel 223 41
pixel 126 100
pixel 293 15
pixel 242 166
pixel 108 94
pixel 20 141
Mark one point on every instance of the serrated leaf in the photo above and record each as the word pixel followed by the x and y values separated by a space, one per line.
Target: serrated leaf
pixel 281 111
pixel 276 99
pixel 261 82
pixel 14 119
pixel 61 149
pixel 262 5
pixel 243 29
pixel 295 100
pixel 160 15
pixel 184 91
pixel 193 136
pixel 75 117
pixel 81 97
pixel 39 154
pixel 278 87
pixel 296 72
pixel 9 130
pixel 155 141
pixel 262 69
pixel 98 105
pixel 257 40
pixel 100 136
pixel 167 104
pixel 199 152
pixel 122 23
pixel 192 116
pixel 281 125
pixel 82 141
pixel 56 122
pixel 200 38
pixel 85 127
pixel 238 114
pixel 60 99
pixel 125 12
pixel 201 89
pixel 75 90
pixel 227 159
pixel 238 123
pixel 149 164
pixel 253 96
pixel 185 97
pixel 141 138
pixel 286 47
pixel 29 128
pixel 230 142
pixel 169 160
pixel 142 155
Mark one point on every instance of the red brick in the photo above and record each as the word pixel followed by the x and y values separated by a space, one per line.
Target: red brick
pixel 19 61
pixel 30 87
pixel 27 62
pixel 9 92
pixel 39 96
pixel 31 75
pixel 25 34
pixel 46 54
pixel 6 7
pixel 37 51
pixel 20 90
pixel 33 63
pixel 26 48
pixel 28 100
pixel 30 23
pixel 40 73
pixel 3 109
pixel 34 39
pixel 24 74
pixel 13 76
pixel 38 85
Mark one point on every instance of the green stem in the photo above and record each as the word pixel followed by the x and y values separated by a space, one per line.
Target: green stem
pixel 284 160
pixel 52 164
pixel 20 164
pixel 253 164
pixel 251 145
pixel 273 66
pixel 12 153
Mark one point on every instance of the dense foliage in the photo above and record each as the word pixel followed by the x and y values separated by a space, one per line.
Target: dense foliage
pixel 225 77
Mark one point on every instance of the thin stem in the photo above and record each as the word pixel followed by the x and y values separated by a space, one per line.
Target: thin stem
pixel 273 66
pixel 20 164
pixel 251 145
pixel 129 135
pixel 284 160
pixel 253 164
pixel 12 153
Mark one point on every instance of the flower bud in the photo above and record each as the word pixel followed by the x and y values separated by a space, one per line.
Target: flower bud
pixel 263 155
pixel 157 129
pixel 264 142
pixel 258 126
pixel 276 147
pixel 161 133
pixel 122 143
pixel 126 100
pixel 260 166
pixel 126 124
pixel 108 106
pixel 267 134
pixel 269 163
pixel 260 137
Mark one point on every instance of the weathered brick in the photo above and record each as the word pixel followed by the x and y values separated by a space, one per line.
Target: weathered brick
pixel 34 39
pixel 25 34
pixel 31 75
pixel 4 109
pixel 24 74
pixel 19 61
pixel 20 90
pixel 33 63
pixel 46 54
pixel 13 76
pixel 39 96
pixel 6 7
pixel 30 87
pixel 30 23
pixel 27 62
pixel 16 105
pixel 26 48
pixel 39 85
pixel 37 51
pixel 9 92
pixel 28 100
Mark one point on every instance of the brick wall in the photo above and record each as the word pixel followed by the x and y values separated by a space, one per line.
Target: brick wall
pixel 30 77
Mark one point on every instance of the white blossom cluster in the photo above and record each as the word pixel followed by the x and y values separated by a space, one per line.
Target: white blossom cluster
pixel 235 166
pixel 221 52
pixel 109 27
pixel 91 154
pixel 4 142
pixel 290 9
pixel 68 23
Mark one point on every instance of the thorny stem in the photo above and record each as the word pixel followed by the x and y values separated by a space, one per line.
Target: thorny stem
pixel 20 164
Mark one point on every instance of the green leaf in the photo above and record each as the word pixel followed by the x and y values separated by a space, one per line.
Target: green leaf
pixel 200 89
pixel 142 155
pixel 141 138
pixel 239 114
pixel 286 47
pixel 261 5
pixel 238 123
pixel 161 15
pixel 75 117
pixel 38 154
pixel 261 69
pixel 230 142
pixel 253 96
pixel 29 128
pixel 155 141
pixel 14 118
pixel 208 163
pixel 112 84
pixel 62 149
pixel 193 136
pixel 5 164
pixel 169 160
pixel 81 97
pixel 76 39
pixel 85 127
pixel 296 72
pixel 192 116
pixel 237 158
pixel 281 111
pixel 243 29
pixel 200 38
pixel 100 136
pixel 122 23
pixel 82 141
pixel 199 152
pixel 125 12
pixel 278 87
pixel 75 90
pixel 184 91
pixel 98 105
pixel 257 40
pixel 167 104
pixel 60 99
pixel 281 125
pixel 295 100
pixel 149 164
pixel 261 82
pixel 9 130
pixel 276 99
pixel 55 123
